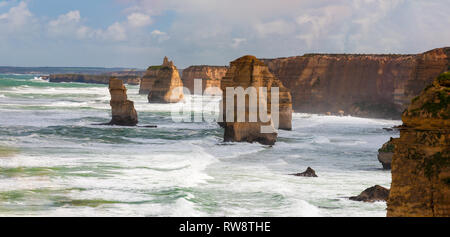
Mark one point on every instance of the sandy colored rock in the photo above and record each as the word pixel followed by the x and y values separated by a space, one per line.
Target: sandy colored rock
pixel 420 165
pixel 211 77
pixel 123 112
pixel 162 83
pixel 247 72
pixel 366 85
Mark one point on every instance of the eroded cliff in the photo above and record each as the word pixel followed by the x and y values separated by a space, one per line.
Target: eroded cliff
pixel 360 85
pixel 211 77
pixel 131 79
pixel 421 162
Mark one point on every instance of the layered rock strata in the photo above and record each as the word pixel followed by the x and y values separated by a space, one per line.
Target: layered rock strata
pixel 162 83
pixel 249 73
pixel 357 84
pixel 211 77
pixel 123 112
pixel 420 165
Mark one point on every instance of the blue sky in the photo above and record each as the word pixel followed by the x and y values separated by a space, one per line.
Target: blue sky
pixel 139 33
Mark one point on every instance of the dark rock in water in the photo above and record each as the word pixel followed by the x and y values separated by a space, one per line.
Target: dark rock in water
pixel 308 173
pixel 123 112
pixel 372 194
pixel 149 126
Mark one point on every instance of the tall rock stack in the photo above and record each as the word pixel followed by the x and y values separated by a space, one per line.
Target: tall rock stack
pixel 421 161
pixel 123 112
pixel 247 72
pixel 162 83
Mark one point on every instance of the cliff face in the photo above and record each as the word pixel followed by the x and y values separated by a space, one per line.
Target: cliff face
pixel 123 112
pixel 96 79
pixel 163 83
pixel 360 85
pixel 249 72
pixel 421 162
pixel 211 76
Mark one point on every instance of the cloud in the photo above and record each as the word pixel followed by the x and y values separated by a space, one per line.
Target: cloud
pixel 17 17
pixel 138 20
pixel 217 31
pixel 237 42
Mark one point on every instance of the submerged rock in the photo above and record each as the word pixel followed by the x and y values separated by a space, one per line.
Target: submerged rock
pixel 421 162
pixel 308 173
pixel 372 194
pixel 123 112
pixel 385 154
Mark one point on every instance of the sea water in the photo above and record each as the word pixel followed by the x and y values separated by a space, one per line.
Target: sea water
pixel 55 162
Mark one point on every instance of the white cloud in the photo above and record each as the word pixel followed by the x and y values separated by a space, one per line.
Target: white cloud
pixel 17 17
pixel 237 41
pixel 277 27
pixel 139 20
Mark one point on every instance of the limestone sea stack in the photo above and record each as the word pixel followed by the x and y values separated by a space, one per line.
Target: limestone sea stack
pixel 421 162
pixel 211 77
pixel 246 72
pixel 123 112
pixel 162 83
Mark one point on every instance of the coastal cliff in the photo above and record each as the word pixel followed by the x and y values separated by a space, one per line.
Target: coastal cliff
pixel 421 162
pixel 131 79
pixel 211 76
pixel 360 85
pixel 163 83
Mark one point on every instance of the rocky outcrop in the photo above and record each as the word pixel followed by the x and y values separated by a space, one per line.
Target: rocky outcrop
pixel 385 154
pixel 308 173
pixel 420 165
pixel 360 85
pixel 123 112
pixel 211 76
pixel 248 72
pixel 131 79
pixel 372 194
pixel 162 83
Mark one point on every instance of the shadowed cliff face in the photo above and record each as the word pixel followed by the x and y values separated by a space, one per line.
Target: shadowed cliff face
pixel 421 162
pixel 360 85
pixel 211 76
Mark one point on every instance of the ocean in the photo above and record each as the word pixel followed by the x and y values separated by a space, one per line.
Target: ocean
pixel 55 162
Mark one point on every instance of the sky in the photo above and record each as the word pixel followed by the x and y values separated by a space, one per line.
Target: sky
pixel 139 33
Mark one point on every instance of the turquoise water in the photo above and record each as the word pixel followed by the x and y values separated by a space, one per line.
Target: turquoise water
pixel 54 162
